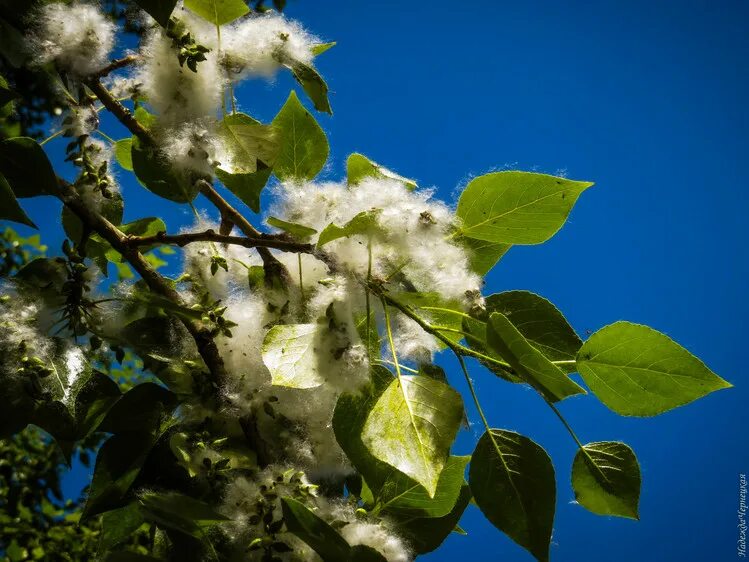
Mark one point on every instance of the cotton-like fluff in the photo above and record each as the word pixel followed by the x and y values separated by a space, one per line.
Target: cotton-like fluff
pixel 378 537
pixel 413 236
pixel 175 92
pixel 260 44
pixel 78 37
pixel 192 149
pixel 411 341
pixel 81 120
pixel 247 500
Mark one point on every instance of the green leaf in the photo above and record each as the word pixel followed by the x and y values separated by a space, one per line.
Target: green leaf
pixel 26 168
pixel 303 145
pixel 7 95
pixel 118 463
pixel 151 166
pixel 359 167
pixel 314 531
pixel 482 255
pixel 426 534
pixel 412 426
pixel 402 496
pixel 123 153
pixel 93 401
pixel 297 230
pixel 365 223
pixel 253 146
pixel 516 207
pixel 638 371
pixel 606 479
pixel 111 209
pixel 178 511
pixel 218 12
pixel 142 408
pixel 128 556
pixel 117 525
pixel 147 226
pixel 320 48
pixel 539 322
pixel 530 364
pixel 290 353
pixel 312 84
pixel 160 10
pixel 512 480
pixel 440 312
pixel 9 207
pixel 246 186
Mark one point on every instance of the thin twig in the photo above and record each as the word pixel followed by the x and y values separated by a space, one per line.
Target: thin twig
pixel 262 241
pixel 114 65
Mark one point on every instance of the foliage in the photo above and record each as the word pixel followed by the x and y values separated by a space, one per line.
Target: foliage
pixel 277 399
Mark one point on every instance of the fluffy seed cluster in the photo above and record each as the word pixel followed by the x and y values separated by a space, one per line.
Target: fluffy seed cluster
pixel 78 37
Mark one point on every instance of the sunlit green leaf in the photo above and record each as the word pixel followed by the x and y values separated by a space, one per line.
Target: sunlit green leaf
pixel 482 254
pixel 512 480
pixel 516 207
pixel 303 145
pixel 297 230
pixel 218 12
pixel 252 145
pixel 178 511
pixel 606 479
pixel 312 84
pixel 365 223
pixel 290 353
pixel 638 371
pixel 320 48
pixel 412 426
pixel 359 167
pixel 122 152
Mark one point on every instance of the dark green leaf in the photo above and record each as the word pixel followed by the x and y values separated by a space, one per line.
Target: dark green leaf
pixel 516 207
pixel 140 409
pixel 320 536
pixel 246 186
pixel 154 172
pixel 148 226
pixel 638 371
pixel 111 209
pixel 117 525
pixel 7 95
pixel 26 168
pixel 512 480
pixel 178 511
pixel 359 167
pixel 218 12
pixel 606 479
pixel 93 401
pixel 160 10
pixel 426 534
pixel 312 84
pixel 527 361
pixel 412 426
pixel 364 553
pixel 117 465
pixel 9 207
pixel 297 230
pixel 304 147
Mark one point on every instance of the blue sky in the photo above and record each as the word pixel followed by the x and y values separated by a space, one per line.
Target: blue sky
pixel 647 99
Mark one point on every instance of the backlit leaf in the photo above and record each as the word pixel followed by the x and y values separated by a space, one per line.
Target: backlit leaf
pixel 638 371
pixel 218 12
pixel 359 167
pixel 290 353
pixel 303 145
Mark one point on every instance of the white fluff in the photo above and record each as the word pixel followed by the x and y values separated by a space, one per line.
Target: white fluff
pixel 258 45
pixel 78 37
pixel 377 537
pixel 176 93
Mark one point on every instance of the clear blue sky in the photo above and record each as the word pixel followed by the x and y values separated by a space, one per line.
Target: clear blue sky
pixel 647 99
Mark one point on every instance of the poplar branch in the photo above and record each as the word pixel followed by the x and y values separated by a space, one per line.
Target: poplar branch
pixel 116 64
pixel 156 283
pixel 261 241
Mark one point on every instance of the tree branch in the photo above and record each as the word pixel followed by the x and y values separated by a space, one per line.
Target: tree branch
pixel 114 65
pixel 121 112
pixel 119 241
pixel 262 241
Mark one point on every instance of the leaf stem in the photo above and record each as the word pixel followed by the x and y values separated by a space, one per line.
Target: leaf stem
pixel 301 281
pixel 392 344
pixel 52 137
